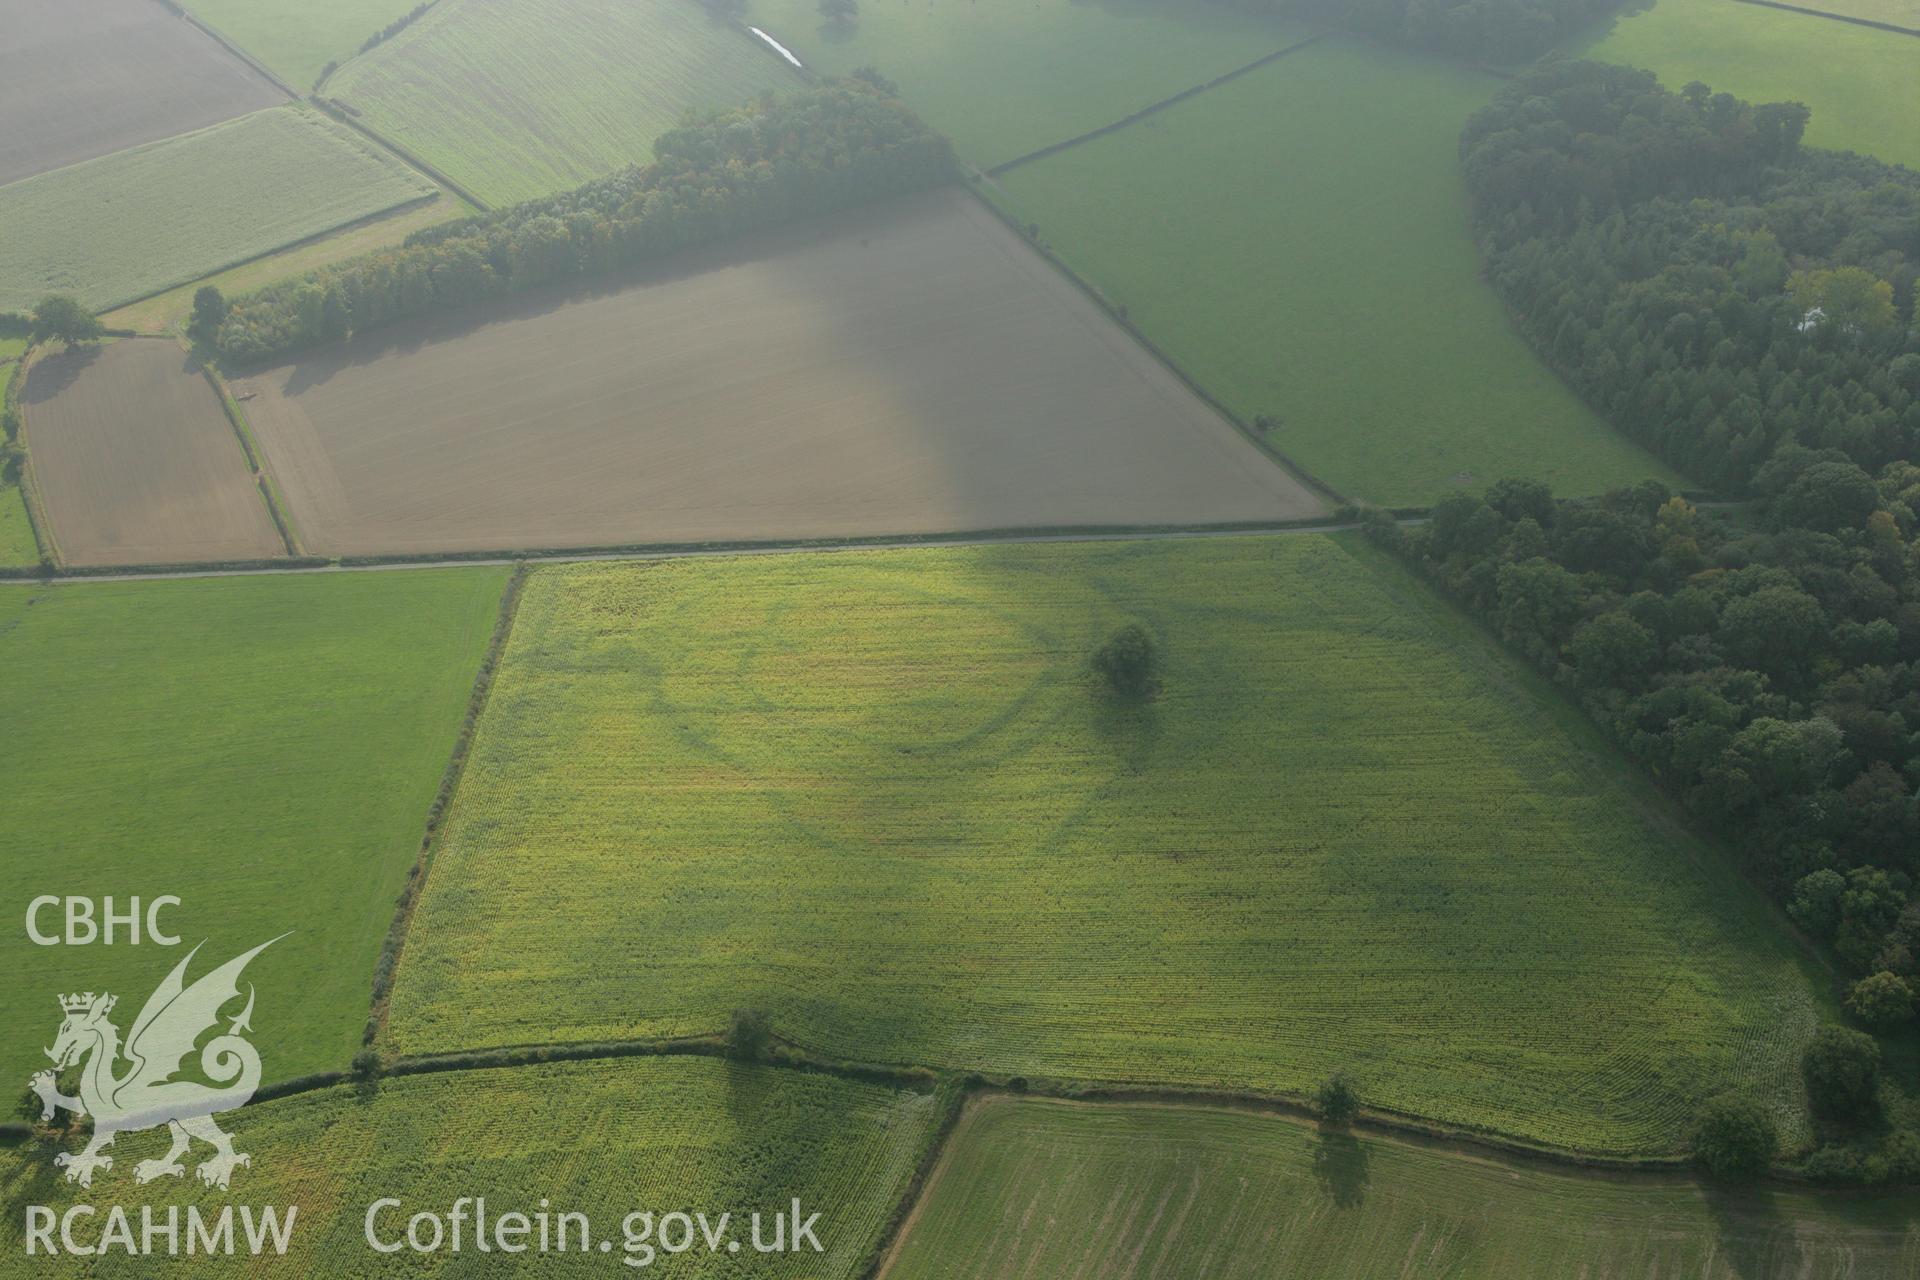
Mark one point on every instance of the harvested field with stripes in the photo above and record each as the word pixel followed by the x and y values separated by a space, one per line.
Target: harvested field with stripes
pixel 79 80
pixel 136 461
pixel 910 369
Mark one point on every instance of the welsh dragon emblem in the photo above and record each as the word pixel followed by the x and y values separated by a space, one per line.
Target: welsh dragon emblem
pixel 145 1095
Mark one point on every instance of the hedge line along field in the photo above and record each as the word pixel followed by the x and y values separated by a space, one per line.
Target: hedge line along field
pixel 86 80
pixel 1899 13
pixel 908 368
pixel 1035 1188
pixel 296 39
pixel 523 100
pixel 875 794
pixel 1003 78
pixel 17 545
pixel 1297 239
pixel 1863 85
pixel 174 308
pixel 604 1139
pixel 144 220
pixel 264 748
pixel 135 461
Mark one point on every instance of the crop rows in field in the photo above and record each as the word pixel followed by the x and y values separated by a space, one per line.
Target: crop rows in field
pixel 514 101
pixel 1035 1188
pixel 155 216
pixel 86 80
pixel 264 748
pixel 1863 85
pixel 604 1139
pixel 876 795
pixel 296 39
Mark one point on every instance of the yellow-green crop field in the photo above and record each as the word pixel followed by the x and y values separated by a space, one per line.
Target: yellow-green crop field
pixel 1034 1188
pixel 603 1139
pixel 878 795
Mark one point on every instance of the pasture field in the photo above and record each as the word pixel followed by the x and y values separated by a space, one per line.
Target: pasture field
pixel 876 794
pixel 912 368
pixel 604 1139
pixel 1297 239
pixel 1035 1188
pixel 514 101
pixel 1006 77
pixel 296 39
pixel 136 462
pixel 1863 85
pixel 1899 13
pixel 84 80
pixel 144 220
pixel 171 310
pixel 265 748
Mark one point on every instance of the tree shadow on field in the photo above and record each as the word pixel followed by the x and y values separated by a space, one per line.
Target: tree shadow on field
pixel 1342 1167
pixel 1747 1224
pixel 53 374
pixel 1130 726
pixel 309 368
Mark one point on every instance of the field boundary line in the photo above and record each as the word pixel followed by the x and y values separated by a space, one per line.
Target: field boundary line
pixel 396 941
pixel 30 496
pixel 1153 108
pixel 1119 316
pixel 214 34
pixel 1832 17
pixel 412 16
pixel 346 114
pixel 1332 523
pixel 244 434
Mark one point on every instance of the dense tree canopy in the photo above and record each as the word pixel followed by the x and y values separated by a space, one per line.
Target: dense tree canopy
pixel 1712 287
pixel 806 153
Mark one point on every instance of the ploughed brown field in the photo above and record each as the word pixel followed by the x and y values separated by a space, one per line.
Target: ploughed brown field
pixel 909 369
pixel 86 78
pixel 135 460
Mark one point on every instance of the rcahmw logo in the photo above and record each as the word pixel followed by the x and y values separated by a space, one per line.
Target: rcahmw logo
pixel 149 1094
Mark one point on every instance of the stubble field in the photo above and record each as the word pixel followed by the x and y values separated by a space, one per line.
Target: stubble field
pixel 264 748
pixel 909 369
pixel 144 220
pixel 1298 240
pixel 1035 1188
pixel 603 1139
pixel 875 794
pixel 136 462
pixel 514 101
pixel 84 80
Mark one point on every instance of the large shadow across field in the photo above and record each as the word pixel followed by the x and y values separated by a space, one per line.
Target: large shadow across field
pixel 914 368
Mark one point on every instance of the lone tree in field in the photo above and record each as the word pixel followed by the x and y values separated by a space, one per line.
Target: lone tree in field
pixel 209 313
pixel 1735 1139
pixel 1128 661
pixel 748 1034
pixel 1337 1099
pixel 63 318
pixel 841 13
pixel 1842 1070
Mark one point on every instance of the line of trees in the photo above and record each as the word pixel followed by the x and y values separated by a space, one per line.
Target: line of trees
pixel 1765 667
pixel 814 151
pixel 1498 32
pixel 1717 290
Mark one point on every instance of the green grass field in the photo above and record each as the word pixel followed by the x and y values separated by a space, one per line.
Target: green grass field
pixel 1863 85
pixel 876 794
pixel 11 347
pixel 604 1139
pixel 296 39
pixel 264 748
pixel 1006 77
pixel 1297 239
pixel 1035 1188
pixel 152 217
pixel 522 100
pixel 1900 13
